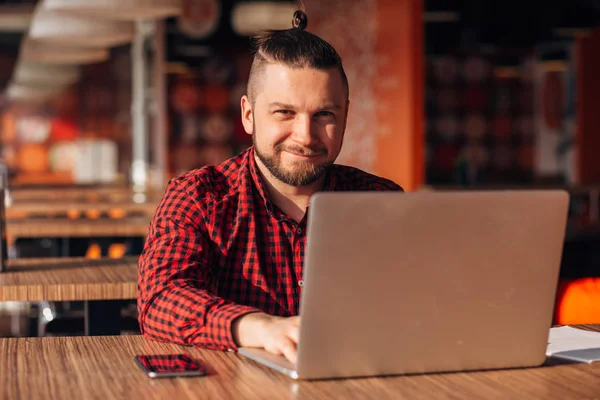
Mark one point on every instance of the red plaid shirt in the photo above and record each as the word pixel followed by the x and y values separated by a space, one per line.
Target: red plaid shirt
pixel 217 249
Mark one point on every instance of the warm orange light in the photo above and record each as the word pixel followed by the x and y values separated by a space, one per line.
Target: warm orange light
pixel 578 302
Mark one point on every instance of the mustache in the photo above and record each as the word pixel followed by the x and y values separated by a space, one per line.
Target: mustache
pixel 305 151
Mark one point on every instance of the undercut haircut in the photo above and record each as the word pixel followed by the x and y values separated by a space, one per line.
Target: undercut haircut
pixel 294 48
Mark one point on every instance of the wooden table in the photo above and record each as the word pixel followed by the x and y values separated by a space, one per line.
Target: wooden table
pixel 101 284
pixel 69 279
pixel 78 212
pixel 103 368
pixel 35 228
pixel 74 210
pixel 79 193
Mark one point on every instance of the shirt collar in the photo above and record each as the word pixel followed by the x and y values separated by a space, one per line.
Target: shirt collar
pixel 330 180
pixel 257 180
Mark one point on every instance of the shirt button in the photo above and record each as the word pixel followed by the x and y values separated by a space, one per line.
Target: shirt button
pixel 301 283
pixel 299 231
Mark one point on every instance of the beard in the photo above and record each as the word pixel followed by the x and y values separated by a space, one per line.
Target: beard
pixel 302 173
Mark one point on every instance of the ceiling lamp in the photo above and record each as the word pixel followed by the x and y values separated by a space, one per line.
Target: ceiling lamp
pixel 64 29
pixel 36 52
pixel 43 74
pixel 250 18
pixel 118 9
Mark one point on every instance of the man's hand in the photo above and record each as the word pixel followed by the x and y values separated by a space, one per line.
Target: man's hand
pixel 276 335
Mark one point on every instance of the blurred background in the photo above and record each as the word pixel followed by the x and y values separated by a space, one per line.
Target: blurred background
pixel 445 95
pixel 504 87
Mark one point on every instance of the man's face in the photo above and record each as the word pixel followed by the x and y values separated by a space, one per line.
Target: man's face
pixel 297 121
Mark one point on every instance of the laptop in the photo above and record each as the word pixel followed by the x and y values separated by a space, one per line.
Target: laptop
pixel 409 283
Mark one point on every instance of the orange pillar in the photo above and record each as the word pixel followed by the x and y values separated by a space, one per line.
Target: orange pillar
pixel 588 102
pixel 401 152
pixel 381 44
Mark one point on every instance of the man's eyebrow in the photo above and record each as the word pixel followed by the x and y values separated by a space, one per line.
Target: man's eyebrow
pixel 330 106
pixel 327 106
pixel 281 105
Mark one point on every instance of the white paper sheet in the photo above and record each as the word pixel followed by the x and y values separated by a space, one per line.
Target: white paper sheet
pixel 574 344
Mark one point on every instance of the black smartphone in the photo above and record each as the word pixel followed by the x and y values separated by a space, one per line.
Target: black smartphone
pixel 169 365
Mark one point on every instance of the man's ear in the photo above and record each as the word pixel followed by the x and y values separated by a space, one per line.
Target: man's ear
pixel 247 115
pixel 346 113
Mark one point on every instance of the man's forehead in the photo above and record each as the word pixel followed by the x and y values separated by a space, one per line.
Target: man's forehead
pixel 286 85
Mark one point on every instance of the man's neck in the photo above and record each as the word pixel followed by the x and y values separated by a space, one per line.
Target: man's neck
pixel 292 200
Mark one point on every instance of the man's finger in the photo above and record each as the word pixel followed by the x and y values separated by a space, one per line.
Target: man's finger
pixel 288 348
pixel 294 333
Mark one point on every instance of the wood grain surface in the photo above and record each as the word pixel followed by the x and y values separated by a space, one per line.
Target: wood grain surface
pixel 69 279
pixel 77 228
pixel 103 368
pixel 39 209
pixel 75 193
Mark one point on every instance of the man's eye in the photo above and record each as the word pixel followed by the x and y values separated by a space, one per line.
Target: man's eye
pixel 284 112
pixel 325 114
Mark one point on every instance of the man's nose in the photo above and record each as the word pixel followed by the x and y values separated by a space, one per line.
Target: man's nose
pixel 303 133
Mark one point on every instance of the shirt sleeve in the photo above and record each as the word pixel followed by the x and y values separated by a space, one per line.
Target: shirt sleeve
pixel 175 278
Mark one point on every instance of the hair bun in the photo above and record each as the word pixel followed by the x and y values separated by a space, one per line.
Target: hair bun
pixel 300 20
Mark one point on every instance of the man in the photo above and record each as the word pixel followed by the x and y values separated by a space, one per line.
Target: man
pixel 222 264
